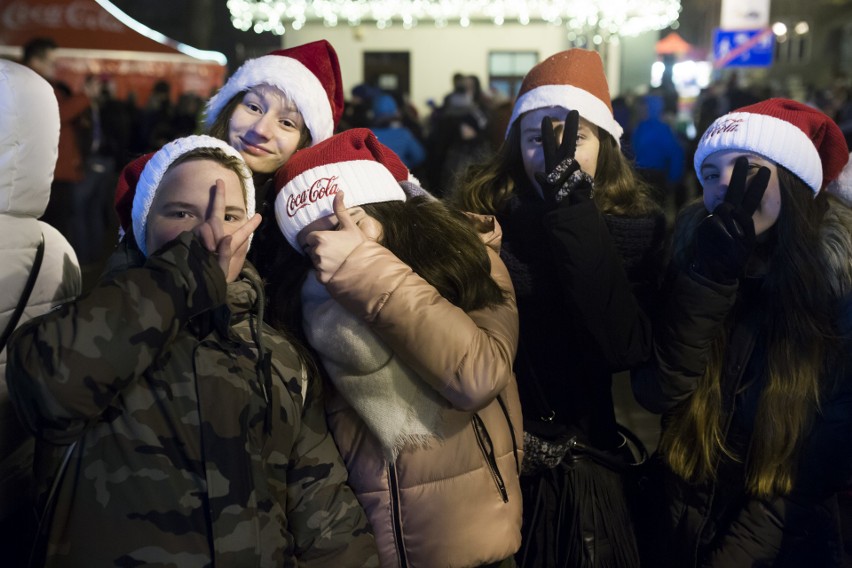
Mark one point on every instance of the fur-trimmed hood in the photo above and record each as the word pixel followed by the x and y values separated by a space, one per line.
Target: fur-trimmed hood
pixel 836 246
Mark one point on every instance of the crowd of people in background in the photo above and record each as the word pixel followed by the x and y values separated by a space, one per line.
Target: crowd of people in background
pixel 467 126
pixel 294 327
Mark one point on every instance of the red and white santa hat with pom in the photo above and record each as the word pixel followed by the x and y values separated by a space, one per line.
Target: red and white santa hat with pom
pixel 572 79
pixel 796 136
pixel 354 162
pixel 308 75
pixel 139 181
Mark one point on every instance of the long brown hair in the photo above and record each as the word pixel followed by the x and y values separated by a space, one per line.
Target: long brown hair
pixel 487 187
pixel 442 246
pixel 439 243
pixel 799 338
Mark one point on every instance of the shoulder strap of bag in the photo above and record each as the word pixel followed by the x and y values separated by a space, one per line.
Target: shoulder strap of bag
pixel 43 525
pixel 25 295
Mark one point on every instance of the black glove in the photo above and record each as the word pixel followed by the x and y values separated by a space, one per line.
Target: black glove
pixel 562 176
pixel 725 239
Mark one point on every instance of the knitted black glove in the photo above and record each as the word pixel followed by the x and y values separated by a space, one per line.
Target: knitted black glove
pixel 562 176
pixel 725 239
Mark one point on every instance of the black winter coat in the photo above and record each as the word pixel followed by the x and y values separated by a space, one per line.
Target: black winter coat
pixel 717 523
pixel 580 278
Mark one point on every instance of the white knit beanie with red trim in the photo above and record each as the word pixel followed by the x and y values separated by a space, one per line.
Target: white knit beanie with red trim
pixel 140 180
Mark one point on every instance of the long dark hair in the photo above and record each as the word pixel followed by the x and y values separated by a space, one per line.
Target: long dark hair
pixel 800 338
pixel 486 187
pixel 442 246
pixel 439 243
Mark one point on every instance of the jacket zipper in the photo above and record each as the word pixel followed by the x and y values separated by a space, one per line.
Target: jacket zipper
pixel 487 448
pixel 396 515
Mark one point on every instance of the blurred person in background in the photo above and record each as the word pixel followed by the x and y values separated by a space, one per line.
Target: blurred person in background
pixel 39 54
pixel 388 128
pixel 659 157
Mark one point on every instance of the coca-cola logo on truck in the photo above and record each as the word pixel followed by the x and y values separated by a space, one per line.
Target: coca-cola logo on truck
pixel 80 15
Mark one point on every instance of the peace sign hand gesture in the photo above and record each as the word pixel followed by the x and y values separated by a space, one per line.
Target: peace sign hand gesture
pixel 563 176
pixel 230 250
pixel 725 239
pixel 328 249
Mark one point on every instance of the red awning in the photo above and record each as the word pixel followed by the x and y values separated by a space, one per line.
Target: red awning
pixel 96 38
pixel 673 44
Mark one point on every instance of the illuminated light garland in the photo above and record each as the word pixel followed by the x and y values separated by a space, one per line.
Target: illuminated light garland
pixel 602 19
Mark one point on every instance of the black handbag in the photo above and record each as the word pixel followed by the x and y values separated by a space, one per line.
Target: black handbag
pixel 578 498
pixel 547 442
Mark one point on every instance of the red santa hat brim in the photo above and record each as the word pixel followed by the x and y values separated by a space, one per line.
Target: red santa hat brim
pixel 307 75
pixel 793 135
pixel 573 79
pixel 354 162
pixel 569 97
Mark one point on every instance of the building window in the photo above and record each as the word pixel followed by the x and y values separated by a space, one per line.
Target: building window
pixel 793 50
pixel 506 70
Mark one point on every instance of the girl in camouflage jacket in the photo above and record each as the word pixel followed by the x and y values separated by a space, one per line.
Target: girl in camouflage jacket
pixel 198 438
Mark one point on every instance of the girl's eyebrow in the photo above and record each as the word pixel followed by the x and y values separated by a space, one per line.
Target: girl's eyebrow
pixel 181 204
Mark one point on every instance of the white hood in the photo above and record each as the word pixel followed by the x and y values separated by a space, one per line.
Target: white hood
pixel 29 140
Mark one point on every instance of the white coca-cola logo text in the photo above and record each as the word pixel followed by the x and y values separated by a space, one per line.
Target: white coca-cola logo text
pixel 323 187
pixel 727 125
pixel 76 15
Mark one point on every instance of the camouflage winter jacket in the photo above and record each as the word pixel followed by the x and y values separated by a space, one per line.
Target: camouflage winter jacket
pixel 189 452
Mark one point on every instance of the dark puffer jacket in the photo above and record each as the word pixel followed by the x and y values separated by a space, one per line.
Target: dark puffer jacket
pixel 718 524
pixel 581 278
pixel 191 449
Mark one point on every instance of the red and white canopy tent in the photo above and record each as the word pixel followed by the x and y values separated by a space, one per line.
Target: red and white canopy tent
pixel 96 38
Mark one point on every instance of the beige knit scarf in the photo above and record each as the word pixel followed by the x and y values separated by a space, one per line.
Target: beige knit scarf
pixel 398 407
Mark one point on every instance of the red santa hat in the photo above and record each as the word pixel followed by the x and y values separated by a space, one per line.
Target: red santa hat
pixel 308 75
pixel 139 181
pixel 791 134
pixel 572 79
pixel 354 162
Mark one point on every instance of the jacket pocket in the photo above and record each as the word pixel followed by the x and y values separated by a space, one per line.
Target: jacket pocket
pixel 483 438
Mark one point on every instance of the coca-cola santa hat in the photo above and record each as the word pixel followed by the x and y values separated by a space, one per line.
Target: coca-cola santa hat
pixel 572 79
pixel 308 75
pixel 139 181
pixel 793 135
pixel 354 162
